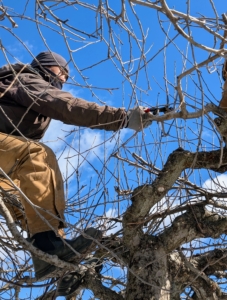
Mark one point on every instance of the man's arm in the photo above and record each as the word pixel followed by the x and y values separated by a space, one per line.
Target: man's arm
pixel 38 95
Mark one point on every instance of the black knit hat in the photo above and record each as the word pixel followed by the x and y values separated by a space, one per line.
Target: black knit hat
pixel 49 59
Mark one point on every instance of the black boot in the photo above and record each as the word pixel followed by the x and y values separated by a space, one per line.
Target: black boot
pixel 71 282
pixel 51 244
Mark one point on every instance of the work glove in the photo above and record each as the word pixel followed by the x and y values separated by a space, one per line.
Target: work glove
pixel 138 118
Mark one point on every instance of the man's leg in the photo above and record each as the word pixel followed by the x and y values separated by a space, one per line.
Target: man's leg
pixel 34 169
pixel 12 203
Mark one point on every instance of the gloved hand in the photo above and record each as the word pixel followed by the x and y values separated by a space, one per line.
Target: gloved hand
pixel 138 118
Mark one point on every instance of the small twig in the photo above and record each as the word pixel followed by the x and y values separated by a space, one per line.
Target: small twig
pixel 13 23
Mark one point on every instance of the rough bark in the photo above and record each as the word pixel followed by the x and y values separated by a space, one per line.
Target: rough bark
pixel 184 272
pixel 196 223
pixel 212 262
pixel 148 273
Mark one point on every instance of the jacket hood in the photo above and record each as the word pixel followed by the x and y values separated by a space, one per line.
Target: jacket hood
pixel 17 68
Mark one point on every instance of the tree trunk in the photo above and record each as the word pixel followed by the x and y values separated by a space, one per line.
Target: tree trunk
pixel 148 277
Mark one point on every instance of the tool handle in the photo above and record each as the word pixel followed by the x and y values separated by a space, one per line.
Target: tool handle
pixel 154 110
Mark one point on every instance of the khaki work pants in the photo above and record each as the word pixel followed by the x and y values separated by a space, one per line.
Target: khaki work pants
pixel 33 168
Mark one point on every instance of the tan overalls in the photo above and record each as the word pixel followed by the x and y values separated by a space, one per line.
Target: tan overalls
pixel 33 167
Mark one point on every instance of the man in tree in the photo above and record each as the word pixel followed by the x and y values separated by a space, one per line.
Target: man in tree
pixel 30 96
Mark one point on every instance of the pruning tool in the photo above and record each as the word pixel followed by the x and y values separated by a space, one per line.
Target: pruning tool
pixel 155 110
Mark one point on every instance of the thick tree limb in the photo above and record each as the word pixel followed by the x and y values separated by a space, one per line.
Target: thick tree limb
pixel 211 262
pixel 145 197
pixel 193 224
pixel 150 262
pixel 177 162
pixel 184 272
pixel 92 282
pixel 196 222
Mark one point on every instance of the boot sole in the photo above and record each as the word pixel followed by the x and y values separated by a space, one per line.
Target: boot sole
pixel 51 271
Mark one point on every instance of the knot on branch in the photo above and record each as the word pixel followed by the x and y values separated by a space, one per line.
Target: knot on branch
pixel 176 162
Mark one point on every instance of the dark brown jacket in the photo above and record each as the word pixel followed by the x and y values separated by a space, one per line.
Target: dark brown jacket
pixel 28 103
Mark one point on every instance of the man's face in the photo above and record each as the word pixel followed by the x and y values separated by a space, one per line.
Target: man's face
pixel 60 72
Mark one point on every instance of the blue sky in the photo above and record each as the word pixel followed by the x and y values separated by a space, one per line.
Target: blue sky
pixel 95 147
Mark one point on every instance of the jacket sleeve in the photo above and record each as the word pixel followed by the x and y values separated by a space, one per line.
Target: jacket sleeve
pixel 38 95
